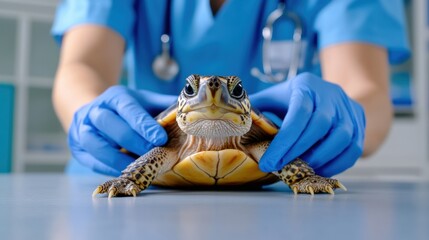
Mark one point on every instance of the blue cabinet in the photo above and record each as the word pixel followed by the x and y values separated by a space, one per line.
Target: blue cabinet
pixel 6 127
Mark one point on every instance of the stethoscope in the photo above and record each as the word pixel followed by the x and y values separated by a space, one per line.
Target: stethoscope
pixel 166 68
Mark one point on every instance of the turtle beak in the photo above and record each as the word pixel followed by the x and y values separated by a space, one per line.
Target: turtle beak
pixel 213 92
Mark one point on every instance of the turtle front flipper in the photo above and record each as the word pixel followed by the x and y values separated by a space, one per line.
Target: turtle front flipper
pixel 139 174
pixel 301 178
pixel 298 175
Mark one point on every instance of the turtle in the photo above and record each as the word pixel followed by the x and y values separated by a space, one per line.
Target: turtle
pixel 216 139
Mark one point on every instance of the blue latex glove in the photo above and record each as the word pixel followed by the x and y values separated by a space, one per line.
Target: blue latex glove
pixel 119 117
pixel 321 124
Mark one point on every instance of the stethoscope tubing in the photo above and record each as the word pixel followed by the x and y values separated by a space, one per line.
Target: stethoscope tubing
pixel 268 75
pixel 166 68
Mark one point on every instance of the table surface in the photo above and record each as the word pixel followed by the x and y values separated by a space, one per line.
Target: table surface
pixel 55 206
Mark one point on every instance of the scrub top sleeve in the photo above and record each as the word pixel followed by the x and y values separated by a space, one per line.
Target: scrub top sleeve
pixel 118 15
pixel 379 22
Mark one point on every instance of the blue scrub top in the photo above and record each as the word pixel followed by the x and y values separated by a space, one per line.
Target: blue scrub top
pixel 230 43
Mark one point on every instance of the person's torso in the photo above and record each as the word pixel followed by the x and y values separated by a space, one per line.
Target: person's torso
pixel 229 43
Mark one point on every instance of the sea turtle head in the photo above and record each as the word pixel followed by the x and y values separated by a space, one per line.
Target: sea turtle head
pixel 213 106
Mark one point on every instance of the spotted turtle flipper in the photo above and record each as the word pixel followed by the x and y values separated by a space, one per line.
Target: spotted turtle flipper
pixel 301 178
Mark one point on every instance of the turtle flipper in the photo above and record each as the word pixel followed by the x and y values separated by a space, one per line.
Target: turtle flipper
pixel 298 175
pixel 301 178
pixel 316 184
pixel 139 174
pixel 118 186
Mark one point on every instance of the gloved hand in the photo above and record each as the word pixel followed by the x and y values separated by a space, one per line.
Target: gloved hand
pixel 321 124
pixel 119 117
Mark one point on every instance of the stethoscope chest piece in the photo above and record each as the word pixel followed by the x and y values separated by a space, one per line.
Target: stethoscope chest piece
pixel 164 66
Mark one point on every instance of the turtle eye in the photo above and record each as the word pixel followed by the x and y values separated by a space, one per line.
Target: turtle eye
pixel 238 91
pixel 189 90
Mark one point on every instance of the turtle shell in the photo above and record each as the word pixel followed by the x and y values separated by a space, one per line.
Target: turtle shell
pixel 227 167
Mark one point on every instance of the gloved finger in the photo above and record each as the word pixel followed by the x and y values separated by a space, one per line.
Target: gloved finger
pixel 342 162
pixel 334 144
pixel 89 161
pixel 300 111
pixel 141 121
pixel 317 128
pixel 351 154
pixel 101 150
pixel 359 121
pixel 117 130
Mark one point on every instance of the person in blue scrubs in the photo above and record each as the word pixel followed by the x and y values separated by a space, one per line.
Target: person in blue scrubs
pixel 336 110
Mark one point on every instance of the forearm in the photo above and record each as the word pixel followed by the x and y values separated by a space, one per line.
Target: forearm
pixel 76 84
pixel 362 71
pixel 90 62
pixel 379 115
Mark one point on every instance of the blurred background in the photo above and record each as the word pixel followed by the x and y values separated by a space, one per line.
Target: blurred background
pixel 32 140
